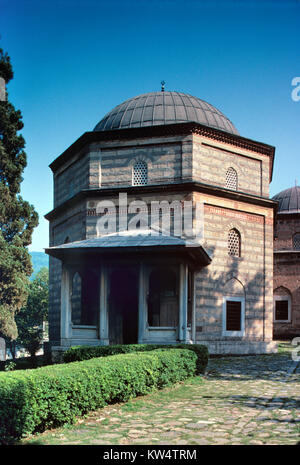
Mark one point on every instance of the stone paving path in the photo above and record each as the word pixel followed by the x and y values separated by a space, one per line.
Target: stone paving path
pixel 240 400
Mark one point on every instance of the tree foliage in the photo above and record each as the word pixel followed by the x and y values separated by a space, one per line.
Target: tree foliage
pixel 6 71
pixel 17 217
pixel 30 319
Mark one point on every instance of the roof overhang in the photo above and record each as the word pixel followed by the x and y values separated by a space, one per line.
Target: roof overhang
pixel 282 252
pixel 183 186
pixel 164 130
pixel 133 243
pixel 289 213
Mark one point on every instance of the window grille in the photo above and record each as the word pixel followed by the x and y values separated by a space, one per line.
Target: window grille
pixel 296 241
pixel 233 320
pixel 282 310
pixel 140 174
pixel 76 299
pixel 234 243
pixel 231 179
pixel 233 315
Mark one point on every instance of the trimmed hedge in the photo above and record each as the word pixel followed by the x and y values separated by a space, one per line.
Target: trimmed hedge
pixel 24 363
pixel 35 400
pixel 79 353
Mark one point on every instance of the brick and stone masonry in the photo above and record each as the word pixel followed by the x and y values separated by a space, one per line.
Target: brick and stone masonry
pixel 287 262
pixel 184 161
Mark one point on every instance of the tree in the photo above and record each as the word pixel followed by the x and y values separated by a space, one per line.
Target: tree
pixel 17 217
pixel 31 318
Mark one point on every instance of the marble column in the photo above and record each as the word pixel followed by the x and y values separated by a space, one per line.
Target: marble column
pixel 193 297
pixel 65 315
pixel 183 302
pixel 142 309
pixel 104 336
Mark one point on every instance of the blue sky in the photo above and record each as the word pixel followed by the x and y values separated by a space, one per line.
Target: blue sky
pixel 75 60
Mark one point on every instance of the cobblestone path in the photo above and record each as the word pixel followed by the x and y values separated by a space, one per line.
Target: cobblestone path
pixel 240 400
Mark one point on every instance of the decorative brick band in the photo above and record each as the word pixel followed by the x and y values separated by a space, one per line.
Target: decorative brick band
pixel 248 217
pixel 228 213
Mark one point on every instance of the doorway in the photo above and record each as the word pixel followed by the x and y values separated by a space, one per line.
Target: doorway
pixel 123 307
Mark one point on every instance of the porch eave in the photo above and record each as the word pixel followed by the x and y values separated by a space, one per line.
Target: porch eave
pixel 197 255
pixel 132 243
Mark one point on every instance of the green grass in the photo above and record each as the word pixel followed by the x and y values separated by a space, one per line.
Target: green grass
pixel 285 347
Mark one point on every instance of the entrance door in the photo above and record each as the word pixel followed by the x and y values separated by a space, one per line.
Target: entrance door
pixel 123 307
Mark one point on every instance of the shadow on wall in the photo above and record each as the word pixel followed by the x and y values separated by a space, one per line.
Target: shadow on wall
pixel 235 282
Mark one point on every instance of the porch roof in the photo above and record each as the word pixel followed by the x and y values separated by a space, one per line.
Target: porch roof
pixel 137 241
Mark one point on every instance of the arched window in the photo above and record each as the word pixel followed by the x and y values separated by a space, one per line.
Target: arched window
pixel 231 179
pixel 296 241
pixel 234 243
pixel 163 298
pixel 140 174
pixel 282 305
pixel 76 299
pixel 84 298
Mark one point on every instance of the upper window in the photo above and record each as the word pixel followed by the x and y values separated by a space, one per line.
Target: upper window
pixel 231 179
pixel 140 174
pixel 234 243
pixel 296 241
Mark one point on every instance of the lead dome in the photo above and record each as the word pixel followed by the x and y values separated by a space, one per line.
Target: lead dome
pixel 288 200
pixel 162 108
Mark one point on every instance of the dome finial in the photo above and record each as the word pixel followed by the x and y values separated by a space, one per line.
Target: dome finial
pixel 162 86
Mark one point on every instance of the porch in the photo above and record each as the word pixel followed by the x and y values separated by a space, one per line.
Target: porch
pixel 128 288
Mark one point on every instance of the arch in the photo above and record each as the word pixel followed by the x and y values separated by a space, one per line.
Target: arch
pixel 296 241
pixel 282 305
pixel 234 243
pixel 140 173
pixel 76 297
pixel 239 226
pixel 231 179
pixel 233 319
pixel 234 287
pixel 282 290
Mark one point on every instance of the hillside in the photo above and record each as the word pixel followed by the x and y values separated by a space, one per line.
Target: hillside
pixel 39 260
